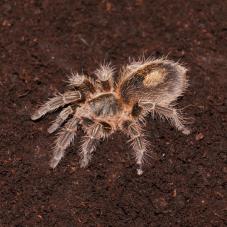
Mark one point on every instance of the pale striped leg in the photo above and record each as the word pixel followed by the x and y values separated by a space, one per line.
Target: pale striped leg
pixel 94 133
pixel 174 116
pixel 88 146
pixel 64 139
pixel 64 114
pixel 169 113
pixel 56 102
pixel 138 142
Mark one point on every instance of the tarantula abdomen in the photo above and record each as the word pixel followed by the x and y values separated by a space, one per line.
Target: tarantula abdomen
pixel 159 82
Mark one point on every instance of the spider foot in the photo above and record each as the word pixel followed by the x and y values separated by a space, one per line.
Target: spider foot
pixel 139 171
pixel 186 131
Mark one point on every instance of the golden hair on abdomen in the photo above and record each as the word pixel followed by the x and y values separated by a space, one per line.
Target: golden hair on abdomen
pixel 154 78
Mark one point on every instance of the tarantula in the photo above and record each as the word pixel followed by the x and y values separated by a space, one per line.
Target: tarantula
pixel 105 104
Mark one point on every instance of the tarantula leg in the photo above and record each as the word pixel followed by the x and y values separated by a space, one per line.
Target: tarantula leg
pixel 94 133
pixel 169 113
pixel 174 116
pixel 139 144
pixel 88 147
pixel 82 82
pixel 64 139
pixel 105 75
pixel 76 79
pixel 64 114
pixel 56 102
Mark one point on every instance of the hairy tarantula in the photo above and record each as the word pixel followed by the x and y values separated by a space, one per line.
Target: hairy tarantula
pixel 104 105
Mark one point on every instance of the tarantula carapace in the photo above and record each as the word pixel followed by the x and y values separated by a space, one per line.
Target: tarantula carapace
pixel 105 104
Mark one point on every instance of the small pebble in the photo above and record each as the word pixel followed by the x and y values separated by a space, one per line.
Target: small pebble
pixel 225 169
pixel 160 204
pixel 199 136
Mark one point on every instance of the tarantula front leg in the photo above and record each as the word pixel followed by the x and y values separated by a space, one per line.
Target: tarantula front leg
pixel 63 140
pixel 82 82
pixel 139 144
pixel 94 132
pixel 56 102
pixel 169 113
pixel 64 114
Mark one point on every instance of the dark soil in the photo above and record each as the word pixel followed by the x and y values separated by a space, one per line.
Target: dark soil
pixel 40 42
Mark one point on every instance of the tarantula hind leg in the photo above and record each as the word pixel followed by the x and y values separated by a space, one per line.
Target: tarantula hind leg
pixel 169 113
pixel 56 102
pixel 139 144
pixel 174 116
pixel 63 140
pixel 94 133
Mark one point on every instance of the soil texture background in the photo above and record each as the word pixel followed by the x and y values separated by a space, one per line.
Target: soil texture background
pixel 184 184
